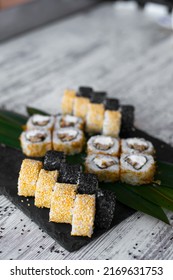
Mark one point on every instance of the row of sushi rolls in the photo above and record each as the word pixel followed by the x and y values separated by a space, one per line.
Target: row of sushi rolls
pixel 74 196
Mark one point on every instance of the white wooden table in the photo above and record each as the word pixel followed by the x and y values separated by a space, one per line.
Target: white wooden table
pixel 123 52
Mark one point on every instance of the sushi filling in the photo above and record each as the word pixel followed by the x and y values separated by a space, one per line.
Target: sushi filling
pixel 104 162
pixel 35 136
pixel 137 144
pixel 68 121
pixel 136 161
pixel 103 143
pixel 67 135
pixel 40 120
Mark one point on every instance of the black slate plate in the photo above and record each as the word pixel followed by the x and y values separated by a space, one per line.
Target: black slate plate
pixel 10 162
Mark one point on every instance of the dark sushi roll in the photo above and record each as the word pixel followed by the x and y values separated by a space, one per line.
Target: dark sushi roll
pixel 87 184
pixel 85 92
pixel 128 116
pixel 69 174
pixel 105 208
pixel 98 97
pixel 53 160
pixel 111 104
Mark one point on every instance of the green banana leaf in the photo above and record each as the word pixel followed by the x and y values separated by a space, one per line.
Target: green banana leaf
pixel 31 111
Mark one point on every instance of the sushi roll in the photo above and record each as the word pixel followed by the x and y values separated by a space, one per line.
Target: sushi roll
pixel 105 208
pixel 128 116
pixel 53 160
pixel 62 203
pixel 69 174
pixel 80 107
pixel 105 167
pixel 44 187
pixel 69 140
pixel 112 123
pixel 40 122
pixel 68 101
pixel 83 215
pixel 133 145
pixel 98 97
pixel 137 169
pixel 105 145
pixel 35 143
pixel 95 118
pixel 111 104
pixel 85 91
pixel 68 121
pixel 28 176
pixel 87 183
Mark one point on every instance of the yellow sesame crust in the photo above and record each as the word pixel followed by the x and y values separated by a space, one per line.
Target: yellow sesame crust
pixel 36 149
pixel 80 107
pixel 67 101
pixel 112 123
pixel 94 118
pixel 83 215
pixel 44 187
pixel 28 176
pixel 62 203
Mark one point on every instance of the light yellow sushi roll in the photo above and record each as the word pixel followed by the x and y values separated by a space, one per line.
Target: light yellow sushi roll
pixel 137 169
pixel 83 215
pixel 62 121
pixel 94 118
pixel 68 101
pixel 106 145
pixel 69 140
pixel 28 176
pixel 40 122
pixel 112 123
pixel 62 203
pixel 104 166
pixel 35 143
pixel 44 187
pixel 137 145
pixel 80 107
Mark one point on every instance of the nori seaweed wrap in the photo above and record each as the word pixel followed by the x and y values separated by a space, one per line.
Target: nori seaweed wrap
pixel 53 160
pixel 85 92
pixel 111 104
pixel 87 184
pixel 128 117
pixel 98 97
pixel 69 174
pixel 105 208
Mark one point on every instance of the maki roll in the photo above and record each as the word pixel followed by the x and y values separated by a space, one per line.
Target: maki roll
pixel 69 174
pixel 105 208
pixel 68 101
pixel 68 121
pixel 83 215
pixel 62 203
pixel 85 92
pixel 69 140
pixel 140 145
pixel 98 97
pixel 87 183
pixel 111 104
pixel 94 118
pixel 105 145
pixel 28 176
pixel 104 166
pixel 112 123
pixel 128 117
pixel 53 160
pixel 44 187
pixel 35 143
pixel 137 169
pixel 40 122
pixel 81 107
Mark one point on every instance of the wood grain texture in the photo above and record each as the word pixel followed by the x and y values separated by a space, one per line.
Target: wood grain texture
pixel 124 52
